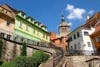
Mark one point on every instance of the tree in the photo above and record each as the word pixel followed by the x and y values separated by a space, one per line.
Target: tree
pixel 40 57
pixel 23 50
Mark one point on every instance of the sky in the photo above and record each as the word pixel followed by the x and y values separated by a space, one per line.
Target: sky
pixel 49 12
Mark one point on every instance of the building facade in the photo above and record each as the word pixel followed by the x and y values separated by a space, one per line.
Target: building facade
pixel 18 26
pixel 28 28
pixel 7 21
pixel 94 21
pixel 80 41
pixel 95 36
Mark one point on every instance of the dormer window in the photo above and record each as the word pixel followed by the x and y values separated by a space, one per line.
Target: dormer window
pixel 21 13
pixel 30 19
pixel 43 27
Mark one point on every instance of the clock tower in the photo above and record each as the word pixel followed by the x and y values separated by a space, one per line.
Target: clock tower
pixel 64 27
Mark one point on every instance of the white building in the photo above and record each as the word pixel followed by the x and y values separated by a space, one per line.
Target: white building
pixel 80 42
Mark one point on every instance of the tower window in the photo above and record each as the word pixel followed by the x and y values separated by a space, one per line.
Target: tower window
pixel 63 29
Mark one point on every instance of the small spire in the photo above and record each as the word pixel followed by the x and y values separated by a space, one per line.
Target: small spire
pixel 62 19
pixel 62 16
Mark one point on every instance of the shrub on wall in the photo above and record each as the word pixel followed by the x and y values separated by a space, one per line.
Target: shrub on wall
pixel 23 50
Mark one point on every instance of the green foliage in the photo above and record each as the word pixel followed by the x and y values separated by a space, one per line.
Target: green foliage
pixel 40 56
pixel 1 44
pixel 1 62
pixel 24 61
pixel 23 51
pixel 9 64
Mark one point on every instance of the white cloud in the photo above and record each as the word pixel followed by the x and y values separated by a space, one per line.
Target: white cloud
pixel 70 23
pixel 91 12
pixel 75 13
pixel 70 7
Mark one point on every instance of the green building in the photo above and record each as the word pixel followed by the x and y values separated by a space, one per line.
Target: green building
pixel 28 28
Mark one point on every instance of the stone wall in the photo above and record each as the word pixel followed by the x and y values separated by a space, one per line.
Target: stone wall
pixel 11 50
pixel 82 61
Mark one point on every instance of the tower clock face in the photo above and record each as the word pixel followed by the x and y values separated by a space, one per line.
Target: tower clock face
pixel 64 30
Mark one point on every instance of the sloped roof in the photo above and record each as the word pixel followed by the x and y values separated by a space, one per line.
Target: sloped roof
pixel 93 20
pixel 7 7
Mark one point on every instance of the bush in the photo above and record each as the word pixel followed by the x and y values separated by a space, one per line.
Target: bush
pixel 40 56
pixel 9 64
pixel 24 61
pixel 1 62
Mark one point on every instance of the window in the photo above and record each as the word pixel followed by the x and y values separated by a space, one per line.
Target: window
pixel 46 37
pixel 78 34
pixel 27 28
pixel 86 33
pixel 98 39
pixel 2 34
pixel 8 37
pixel 71 47
pixel 37 33
pixel 8 23
pixel 70 39
pixel 43 35
pixel 34 31
pixel 79 46
pixel 74 36
pixel 89 44
pixel 75 46
pixel 20 25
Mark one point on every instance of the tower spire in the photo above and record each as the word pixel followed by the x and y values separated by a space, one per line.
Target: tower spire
pixel 62 16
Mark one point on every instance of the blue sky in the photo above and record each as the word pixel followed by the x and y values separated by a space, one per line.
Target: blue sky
pixel 49 12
